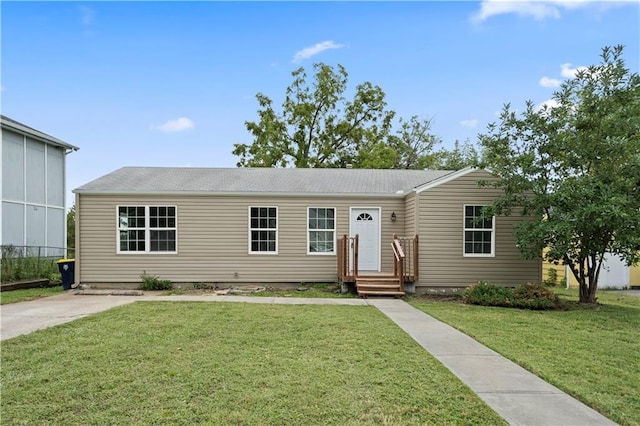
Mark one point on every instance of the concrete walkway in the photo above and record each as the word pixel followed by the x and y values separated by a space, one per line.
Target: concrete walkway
pixel 515 394
pixel 518 396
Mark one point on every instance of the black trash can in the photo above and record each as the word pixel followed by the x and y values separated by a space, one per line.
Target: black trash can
pixel 67 270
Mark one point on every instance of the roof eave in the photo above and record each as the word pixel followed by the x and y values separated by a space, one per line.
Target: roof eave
pixel 238 194
pixel 444 179
pixel 35 134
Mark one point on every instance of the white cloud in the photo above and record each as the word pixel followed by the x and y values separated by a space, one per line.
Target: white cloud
pixel 549 104
pixel 177 125
pixel 469 124
pixel 538 10
pixel 87 15
pixel 567 72
pixel 311 51
pixel 535 9
pixel 550 82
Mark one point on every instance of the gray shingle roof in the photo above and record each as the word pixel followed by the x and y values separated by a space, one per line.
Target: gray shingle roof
pixel 156 180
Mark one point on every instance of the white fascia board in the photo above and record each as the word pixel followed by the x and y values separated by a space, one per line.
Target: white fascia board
pixel 446 178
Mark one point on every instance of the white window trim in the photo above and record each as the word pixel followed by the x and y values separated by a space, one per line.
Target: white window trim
pixel 263 253
pixel 493 233
pixel 147 230
pixel 335 227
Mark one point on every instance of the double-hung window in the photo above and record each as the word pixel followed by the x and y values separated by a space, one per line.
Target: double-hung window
pixel 263 230
pixel 147 229
pixel 321 230
pixel 479 232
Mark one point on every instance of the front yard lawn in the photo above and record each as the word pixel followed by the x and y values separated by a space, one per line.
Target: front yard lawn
pixel 230 363
pixel 24 295
pixel 592 353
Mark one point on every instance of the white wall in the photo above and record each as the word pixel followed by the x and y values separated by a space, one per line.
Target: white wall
pixel 33 211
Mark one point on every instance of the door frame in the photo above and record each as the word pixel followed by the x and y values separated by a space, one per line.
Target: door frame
pixel 379 209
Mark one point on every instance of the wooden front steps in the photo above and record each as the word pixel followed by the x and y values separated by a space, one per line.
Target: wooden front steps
pixel 378 286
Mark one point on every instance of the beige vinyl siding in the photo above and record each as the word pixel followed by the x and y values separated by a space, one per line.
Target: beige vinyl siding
pixel 410 215
pixel 440 224
pixel 212 240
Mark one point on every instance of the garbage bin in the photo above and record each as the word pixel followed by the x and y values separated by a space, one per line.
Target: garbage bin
pixel 67 268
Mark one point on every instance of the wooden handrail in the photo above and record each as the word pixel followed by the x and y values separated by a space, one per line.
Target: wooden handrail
pixel 398 261
pixel 347 257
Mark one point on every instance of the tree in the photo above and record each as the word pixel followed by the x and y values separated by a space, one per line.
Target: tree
pixel 575 169
pixel 317 126
pixel 71 227
pixel 410 147
pixel 461 156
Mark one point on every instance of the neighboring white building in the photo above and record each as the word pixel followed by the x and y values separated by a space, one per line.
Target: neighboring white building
pixel 33 187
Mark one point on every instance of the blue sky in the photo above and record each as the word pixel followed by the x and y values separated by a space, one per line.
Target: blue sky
pixel 172 83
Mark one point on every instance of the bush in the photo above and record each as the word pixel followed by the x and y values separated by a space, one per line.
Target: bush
pixel 552 278
pixel 487 294
pixel 527 296
pixel 535 296
pixel 153 282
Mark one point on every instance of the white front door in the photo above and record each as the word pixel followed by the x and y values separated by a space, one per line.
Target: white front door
pixel 365 222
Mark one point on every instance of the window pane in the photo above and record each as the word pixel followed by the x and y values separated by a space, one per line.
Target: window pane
pixel 272 212
pixel 313 213
pixel 272 223
pixel 162 240
pixel 468 211
pixel 263 212
pixel 254 212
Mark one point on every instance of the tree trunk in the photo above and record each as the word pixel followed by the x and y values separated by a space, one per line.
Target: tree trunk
pixel 586 280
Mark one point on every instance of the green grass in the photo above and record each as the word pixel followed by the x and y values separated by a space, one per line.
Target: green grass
pixel 230 363
pixel 592 353
pixel 23 295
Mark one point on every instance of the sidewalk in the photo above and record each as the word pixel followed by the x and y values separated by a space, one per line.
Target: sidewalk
pixel 515 394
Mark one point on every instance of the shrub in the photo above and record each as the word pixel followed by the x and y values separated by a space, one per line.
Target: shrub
pixel 535 296
pixel 487 294
pixel 552 277
pixel 527 296
pixel 153 282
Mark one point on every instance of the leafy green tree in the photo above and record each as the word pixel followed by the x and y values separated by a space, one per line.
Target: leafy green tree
pixel 316 126
pixel 414 145
pixel 71 227
pixel 461 156
pixel 575 168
